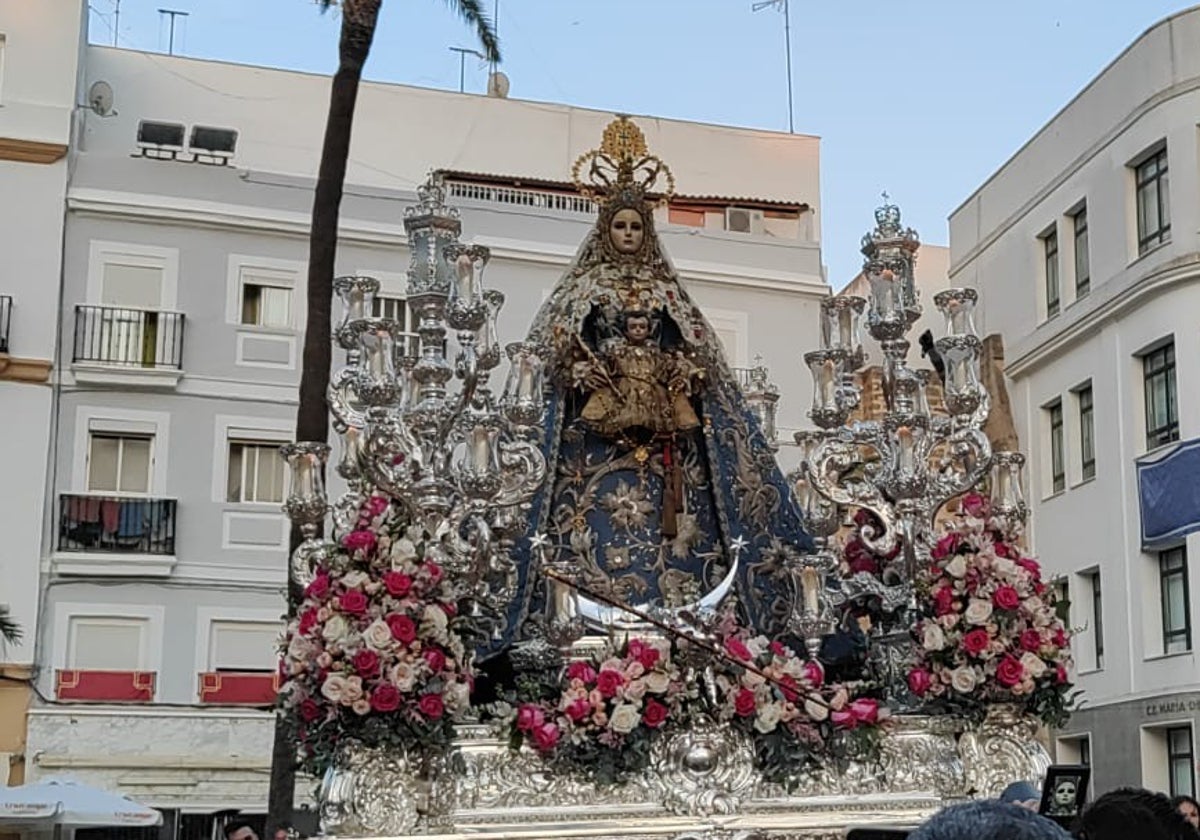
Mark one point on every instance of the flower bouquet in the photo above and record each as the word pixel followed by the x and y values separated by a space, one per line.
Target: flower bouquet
pixel 991 632
pixel 373 653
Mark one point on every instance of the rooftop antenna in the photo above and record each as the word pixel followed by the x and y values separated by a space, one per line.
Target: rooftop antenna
pixel 172 13
pixel 463 52
pixel 116 20
pixel 496 29
pixel 787 39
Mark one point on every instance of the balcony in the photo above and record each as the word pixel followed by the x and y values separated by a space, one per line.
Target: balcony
pixel 124 346
pixel 115 535
pixel 6 304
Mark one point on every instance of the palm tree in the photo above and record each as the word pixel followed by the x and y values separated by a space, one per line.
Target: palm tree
pixel 359 18
pixel 10 631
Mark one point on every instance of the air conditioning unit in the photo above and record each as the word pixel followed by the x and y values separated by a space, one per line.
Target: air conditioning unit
pixel 160 140
pixel 743 220
pixel 212 145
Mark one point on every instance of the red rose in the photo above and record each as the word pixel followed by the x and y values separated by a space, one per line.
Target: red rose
pixel 814 674
pixel 1060 637
pixel 308 620
pixel 545 737
pixel 1009 672
pixel 579 709
pixel 359 541
pixel 778 649
pixel 865 710
pixel 353 602
pixel 943 601
pixel 864 518
pixel 655 714
pixel 530 717
pixel 310 710
pixel 581 671
pixel 319 588
pixel 431 706
pixel 386 698
pixel 843 719
pixel 608 681
pixel 433 570
pixel 919 681
pixel 634 649
pixel 736 648
pixel 745 704
pixel 435 659
pixel 1006 598
pixel 1030 566
pixel 787 687
pixel 1031 641
pixel 1060 674
pixel 648 657
pixel 859 558
pixel 397 584
pixel 975 505
pixel 402 627
pixel 946 546
pixel 976 641
pixel 375 506
pixel 366 662
pixel 449 609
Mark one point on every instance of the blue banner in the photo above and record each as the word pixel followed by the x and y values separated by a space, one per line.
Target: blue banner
pixel 1169 494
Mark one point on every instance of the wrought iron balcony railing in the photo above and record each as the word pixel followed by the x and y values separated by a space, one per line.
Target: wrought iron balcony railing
pixel 119 524
pixel 6 305
pixel 522 197
pixel 128 338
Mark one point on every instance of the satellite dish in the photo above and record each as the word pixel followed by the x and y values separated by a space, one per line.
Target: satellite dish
pixel 498 85
pixel 100 98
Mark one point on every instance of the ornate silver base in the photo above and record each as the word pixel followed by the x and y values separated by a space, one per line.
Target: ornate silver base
pixel 701 785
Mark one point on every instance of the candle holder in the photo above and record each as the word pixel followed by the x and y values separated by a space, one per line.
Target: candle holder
pixel 1008 496
pixel 306 503
pixel 523 400
pixel 357 295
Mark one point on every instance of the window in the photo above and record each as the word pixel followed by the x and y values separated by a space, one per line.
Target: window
pixel 1162 409
pixel 1153 201
pixel 1097 620
pixel 97 643
pixel 1173 581
pixel 265 305
pixel 256 472
pixel 1058 472
pixel 1180 761
pixel 1085 751
pixel 119 463
pixel 1087 432
pixel 1083 269
pixel 242 646
pixel 1050 261
pixel 398 310
pixel 1075 749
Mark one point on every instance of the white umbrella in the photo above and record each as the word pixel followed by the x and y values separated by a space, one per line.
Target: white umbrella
pixel 59 802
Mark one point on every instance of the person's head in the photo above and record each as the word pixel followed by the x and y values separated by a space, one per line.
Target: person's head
pixel 988 821
pixel 1023 794
pixel 1065 791
pixel 637 326
pixel 239 830
pixel 1133 807
pixel 1188 808
pixel 627 230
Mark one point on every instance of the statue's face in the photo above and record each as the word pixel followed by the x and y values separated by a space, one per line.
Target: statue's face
pixel 627 230
pixel 1064 794
pixel 637 330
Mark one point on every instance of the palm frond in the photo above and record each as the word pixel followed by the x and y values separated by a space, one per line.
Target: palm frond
pixel 10 631
pixel 471 11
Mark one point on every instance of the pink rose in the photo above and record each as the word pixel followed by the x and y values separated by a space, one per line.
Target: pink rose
pixel 919 681
pixel 397 584
pixel 648 657
pixel 974 505
pixel 736 648
pixel 943 601
pixel 1007 598
pixel 946 546
pixel 655 714
pixel 1031 641
pixel 578 710
pixel 865 710
pixel 308 620
pixel 403 628
pixel 353 602
pixel 435 659
pixel 319 588
pixel 386 698
pixel 581 671
pixel 530 717
pixel 359 541
pixel 433 570
pixel 976 641
pixel 745 704
pixel 1060 637
pixel 608 681
pixel 1009 672
pixel 545 737
pixel 431 706
pixel 375 506
pixel 814 674
pixel 310 710
pixel 843 719
pixel 1003 549
pixel 366 662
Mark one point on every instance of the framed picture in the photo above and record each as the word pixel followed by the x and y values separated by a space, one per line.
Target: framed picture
pixel 1065 792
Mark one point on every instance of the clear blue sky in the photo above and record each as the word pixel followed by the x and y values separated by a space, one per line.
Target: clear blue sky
pixel 923 98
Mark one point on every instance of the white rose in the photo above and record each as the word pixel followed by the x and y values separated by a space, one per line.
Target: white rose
pixel 299 649
pixel 335 629
pixel 457 697
pixel 1004 567
pixel 404 676
pixel 634 670
pixel 625 718
pixel 404 549
pixel 657 682
pixel 378 636
pixel 933 638
pixel 634 690
pixel 767 718
pixel 957 568
pixel 353 690
pixel 334 688
pixel 963 679
pixel 753 680
pixel 978 611
pixel 816 711
pixel 361 706
pixel 758 645
pixel 1033 665
pixel 355 579
pixel 434 622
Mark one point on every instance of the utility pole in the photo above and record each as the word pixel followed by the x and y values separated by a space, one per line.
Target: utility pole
pixel 787 40
pixel 463 52
pixel 116 20
pixel 172 14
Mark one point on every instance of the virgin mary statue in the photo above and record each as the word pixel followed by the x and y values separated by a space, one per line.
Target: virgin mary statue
pixel 662 490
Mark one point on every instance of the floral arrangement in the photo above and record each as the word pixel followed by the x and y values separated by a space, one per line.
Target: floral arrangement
pixel 373 653
pixel 992 631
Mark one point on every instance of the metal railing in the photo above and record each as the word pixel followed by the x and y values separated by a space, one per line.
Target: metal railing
pixel 6 306
pixel 119 524
pixel 123 337
pixel 520 197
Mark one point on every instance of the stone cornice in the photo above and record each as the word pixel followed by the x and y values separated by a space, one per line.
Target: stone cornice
pixel 16 369
pixel 31 151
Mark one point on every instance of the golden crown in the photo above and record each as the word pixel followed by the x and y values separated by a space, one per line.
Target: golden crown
pixel 622 164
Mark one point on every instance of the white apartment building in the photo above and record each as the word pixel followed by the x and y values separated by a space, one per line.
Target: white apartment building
pixel 182 299
pixel 37 98
pixel 1085 248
